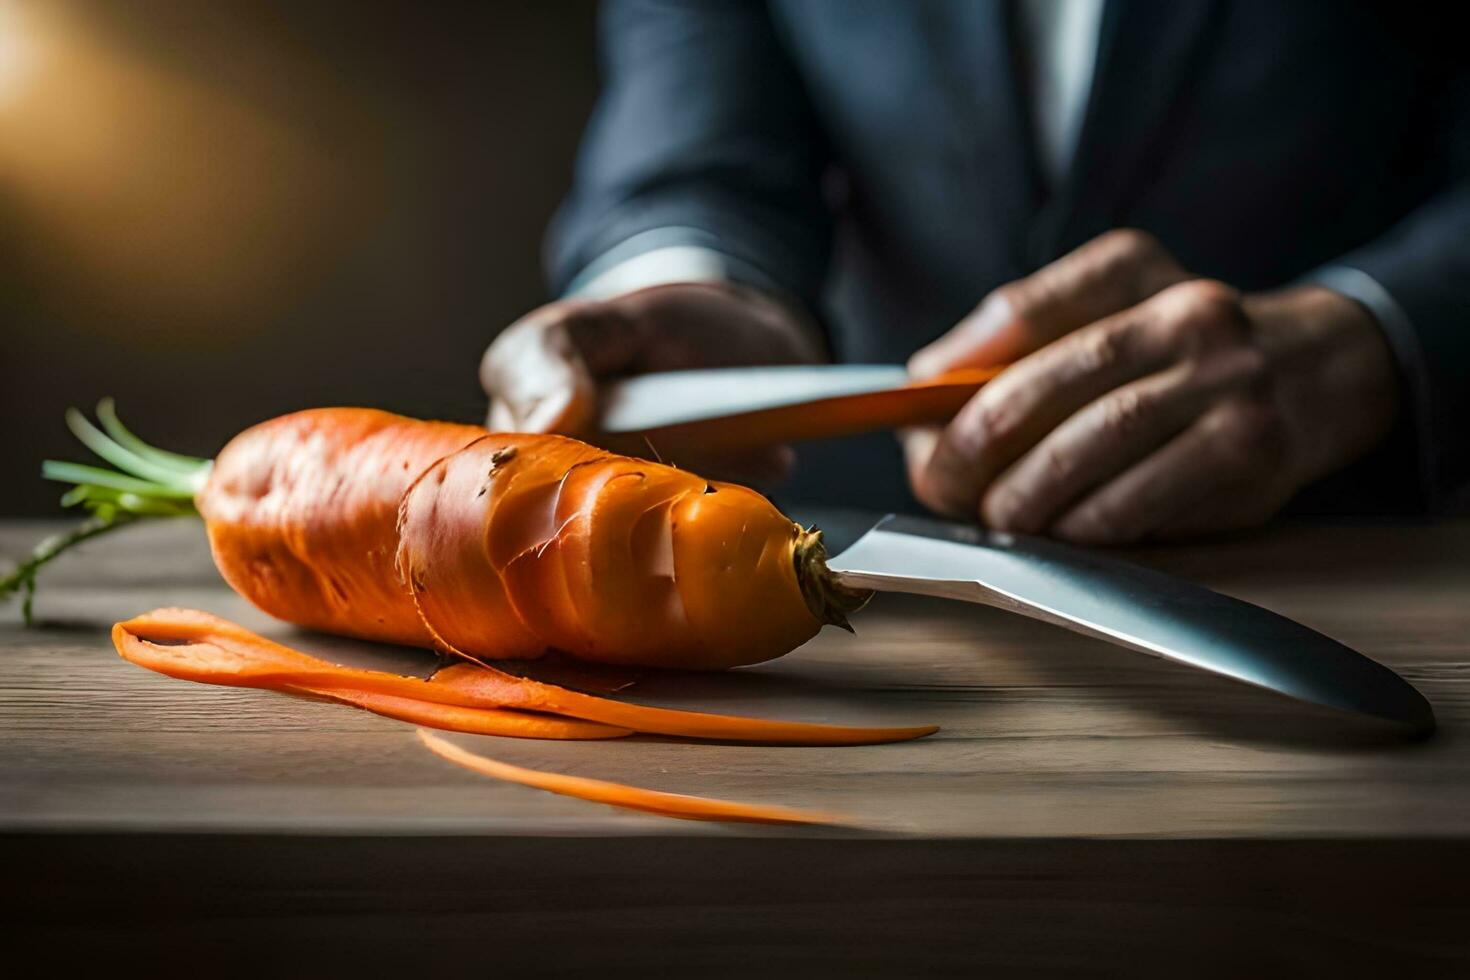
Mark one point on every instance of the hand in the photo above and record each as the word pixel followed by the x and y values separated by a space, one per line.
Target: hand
pixel 1145 403
pixel 542 372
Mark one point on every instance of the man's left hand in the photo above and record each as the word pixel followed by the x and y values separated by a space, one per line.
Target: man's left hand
pixel 1144 403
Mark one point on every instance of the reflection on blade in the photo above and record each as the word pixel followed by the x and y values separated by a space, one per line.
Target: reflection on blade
pixel 651 401
pixel 1129 605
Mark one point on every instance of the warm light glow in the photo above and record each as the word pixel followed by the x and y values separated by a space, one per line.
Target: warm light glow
pixel 19 52
pixel 148 187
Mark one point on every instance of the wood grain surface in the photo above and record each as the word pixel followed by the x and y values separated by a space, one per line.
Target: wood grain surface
pixel 1072 783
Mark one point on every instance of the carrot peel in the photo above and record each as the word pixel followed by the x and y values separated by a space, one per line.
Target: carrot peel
pixel 477 683
pixel 621 795
pixel 197 646
pixel 474 721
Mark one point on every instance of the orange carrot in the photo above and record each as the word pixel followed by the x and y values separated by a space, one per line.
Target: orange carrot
pixel 483 546
pixel 620 795
pixel 503 546
pixel 196 646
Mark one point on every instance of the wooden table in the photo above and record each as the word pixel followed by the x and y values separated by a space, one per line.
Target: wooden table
pixel 1082 805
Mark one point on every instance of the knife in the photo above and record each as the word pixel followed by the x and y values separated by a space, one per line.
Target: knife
pixel 1125 604
pixel 742 408
pixel 1131 606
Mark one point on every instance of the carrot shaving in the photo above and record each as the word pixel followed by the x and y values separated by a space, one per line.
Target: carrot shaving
pixel 193 645
pixel 479 683
pixel 621 795
pixel 473 721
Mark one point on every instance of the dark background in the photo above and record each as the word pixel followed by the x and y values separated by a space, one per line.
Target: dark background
pixel 218 212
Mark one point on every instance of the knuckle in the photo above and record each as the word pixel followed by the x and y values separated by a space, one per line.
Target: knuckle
pixel 1137 263
pixel 1123 412
pixel 1204 297
pixel 1250 433
pixel 1020 298
pixel 1099 350
pixel 1204 314
pixel 1130 244
pixel 1056 467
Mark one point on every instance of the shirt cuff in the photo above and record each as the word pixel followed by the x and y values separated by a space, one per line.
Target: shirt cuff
pixel 1402 341
pixel 659 257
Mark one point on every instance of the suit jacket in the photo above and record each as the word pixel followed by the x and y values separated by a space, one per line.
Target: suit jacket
pixel 874 161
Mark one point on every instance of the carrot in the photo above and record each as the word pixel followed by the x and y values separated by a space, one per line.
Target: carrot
pixel 616 794
pixel 196 646
pixel 928 402
pixel 362 523
pixel 483 546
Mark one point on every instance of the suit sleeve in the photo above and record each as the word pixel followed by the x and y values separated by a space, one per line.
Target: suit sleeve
pixel 1423 264
pixel 703 138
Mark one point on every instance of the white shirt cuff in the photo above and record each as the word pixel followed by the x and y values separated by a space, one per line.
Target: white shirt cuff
pixel 659 267
pixel 660 256
pixel 1398 331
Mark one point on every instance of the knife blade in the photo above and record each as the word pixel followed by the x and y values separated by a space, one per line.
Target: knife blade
pixel 651 401
pixel 1131 606
pixel 741 408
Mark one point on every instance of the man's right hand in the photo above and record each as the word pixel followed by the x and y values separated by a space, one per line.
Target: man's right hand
pixel 543 371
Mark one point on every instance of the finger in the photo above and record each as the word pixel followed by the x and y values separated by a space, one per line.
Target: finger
pixel 540 371
pixel 1236 444
pixel 610 340
pixel 1012 413
pixel 1108 435
pixel 918 445
pixel 1108 274
pixel 704 325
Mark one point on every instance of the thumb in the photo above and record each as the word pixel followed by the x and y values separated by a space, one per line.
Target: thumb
pixel 537 378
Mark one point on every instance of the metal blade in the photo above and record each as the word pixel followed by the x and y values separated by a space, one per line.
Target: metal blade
pixel 652 401
pixel 1131 606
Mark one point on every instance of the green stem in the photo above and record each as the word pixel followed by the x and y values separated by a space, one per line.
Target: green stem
pixel 147 483
pixel 81 474
pixel 107 415
pixel 24 576
pixel 127 460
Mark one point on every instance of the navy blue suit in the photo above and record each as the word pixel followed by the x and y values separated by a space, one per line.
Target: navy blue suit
pixel 874 161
